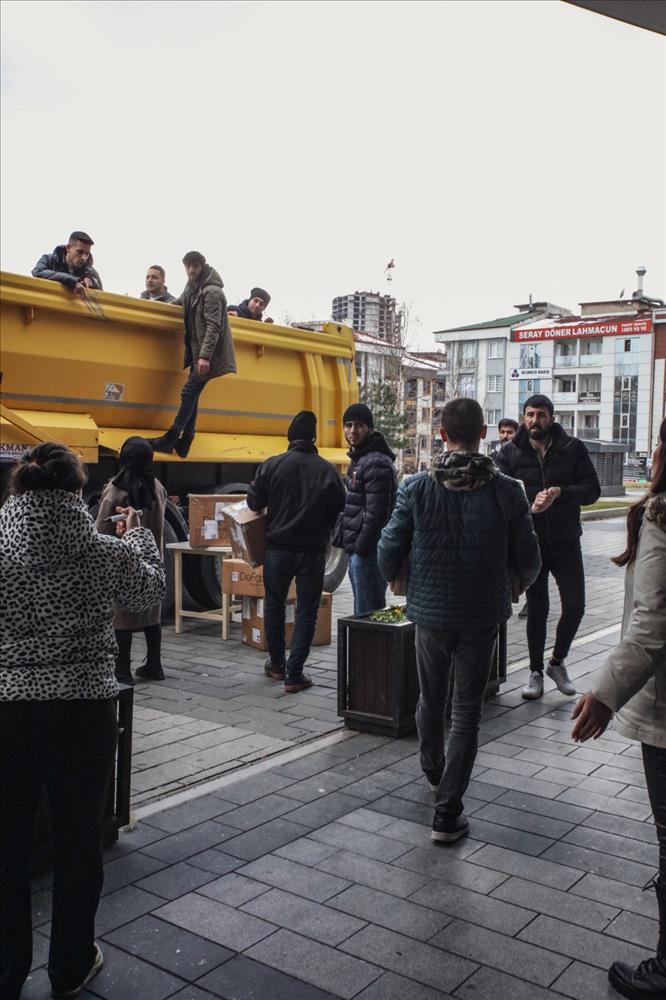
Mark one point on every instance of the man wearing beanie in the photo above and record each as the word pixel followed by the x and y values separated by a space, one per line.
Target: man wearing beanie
pixel 303 495
pixel 371 489
pixel 253 308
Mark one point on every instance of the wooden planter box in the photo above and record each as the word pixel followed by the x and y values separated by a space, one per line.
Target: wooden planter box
pixel 378 684
pixel 117 808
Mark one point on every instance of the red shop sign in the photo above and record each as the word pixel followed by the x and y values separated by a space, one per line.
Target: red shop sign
pixel 584 328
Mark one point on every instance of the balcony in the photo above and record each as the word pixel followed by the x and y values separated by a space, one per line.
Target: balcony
pixel 588 433
pixel 565 361
pixel 590 359
pixel 590 396
pixel 560 398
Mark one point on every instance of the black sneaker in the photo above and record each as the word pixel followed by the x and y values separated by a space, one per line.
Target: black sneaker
pixel 447 829
pixel 78 990
pixel 275 673
pixel 433 778
pixel 147 673
pixel 299 682
pixel 646 981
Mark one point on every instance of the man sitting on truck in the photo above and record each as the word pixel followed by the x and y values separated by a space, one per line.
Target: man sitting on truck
pixel 253 308
pixel 156 289
pixel 71 264
pixel 209 349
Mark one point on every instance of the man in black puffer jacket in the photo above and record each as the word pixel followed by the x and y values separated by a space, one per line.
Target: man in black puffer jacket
pixel 558 476
pixel 371 488
pixel 468 534
pixel 303 494
pixel 71 264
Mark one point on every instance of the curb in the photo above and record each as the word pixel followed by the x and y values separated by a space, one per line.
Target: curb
pixel 604 514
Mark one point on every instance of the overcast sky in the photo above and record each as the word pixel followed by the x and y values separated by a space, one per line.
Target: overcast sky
pixel 492 148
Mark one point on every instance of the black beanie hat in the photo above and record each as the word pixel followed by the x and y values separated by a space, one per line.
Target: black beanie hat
pixel 303 427
pixel 260 293
pixel 360 413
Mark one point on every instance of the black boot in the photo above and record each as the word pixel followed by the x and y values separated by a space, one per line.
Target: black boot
pixel 167 442
pixel 123 671
pixel 183 444
pixel 646 981
pixel 152 670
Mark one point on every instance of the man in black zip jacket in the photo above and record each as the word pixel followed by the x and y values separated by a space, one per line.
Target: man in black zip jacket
pixel 558 477
pixel 303 494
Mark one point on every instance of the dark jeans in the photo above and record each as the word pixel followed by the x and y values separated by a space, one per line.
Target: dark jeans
pixel 186 418
pixel 280 568
pixel 67 746
pixel 368 584
pixel 654 763
pixel 470 656
pixel 565 561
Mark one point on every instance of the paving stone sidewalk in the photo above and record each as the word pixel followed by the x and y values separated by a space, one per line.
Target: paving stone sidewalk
pixel 216 712
pixel 317 878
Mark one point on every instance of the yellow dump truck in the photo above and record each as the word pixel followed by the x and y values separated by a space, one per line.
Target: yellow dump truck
pixel 92 372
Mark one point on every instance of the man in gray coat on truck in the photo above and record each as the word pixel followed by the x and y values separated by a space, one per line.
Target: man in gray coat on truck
pixel 467 532
pixel 209 349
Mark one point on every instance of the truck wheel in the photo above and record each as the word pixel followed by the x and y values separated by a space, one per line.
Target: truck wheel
pixel 337 561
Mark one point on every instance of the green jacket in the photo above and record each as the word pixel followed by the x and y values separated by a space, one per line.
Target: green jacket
pixel 207 329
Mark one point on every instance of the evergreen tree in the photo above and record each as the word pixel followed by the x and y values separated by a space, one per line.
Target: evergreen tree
pixel 383 401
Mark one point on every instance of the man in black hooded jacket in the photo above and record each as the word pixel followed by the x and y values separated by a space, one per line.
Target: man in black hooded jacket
pixel 371 490
pixel 71 264
pixel 254 307
pixel 303 495
pixel 558 476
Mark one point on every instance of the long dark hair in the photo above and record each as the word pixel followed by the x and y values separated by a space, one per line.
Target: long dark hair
pixel 135 476
pixel 635 512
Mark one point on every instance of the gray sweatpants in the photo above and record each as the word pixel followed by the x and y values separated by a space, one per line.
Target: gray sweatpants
pixel 468 656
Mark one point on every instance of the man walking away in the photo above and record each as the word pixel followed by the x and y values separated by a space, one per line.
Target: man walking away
pixel 71 264
pixel 371 488
pixel 468 533
pixel 558 476
pixel 254 307
pixel 303 494
pixel 209 349
pixel 156 289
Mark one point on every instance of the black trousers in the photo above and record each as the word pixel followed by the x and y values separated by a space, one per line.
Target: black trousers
pixel 654 764
pixel 68 747
pixel 565 561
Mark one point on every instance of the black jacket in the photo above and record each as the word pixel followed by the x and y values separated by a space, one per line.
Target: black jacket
pixel 243 312
pixel 567 464
pixel 303 494
pixel 53 267
pixel 166 296
pixel 467 532
pixel 371 489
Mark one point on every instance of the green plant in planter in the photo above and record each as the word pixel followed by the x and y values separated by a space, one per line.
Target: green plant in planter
pixel 394 615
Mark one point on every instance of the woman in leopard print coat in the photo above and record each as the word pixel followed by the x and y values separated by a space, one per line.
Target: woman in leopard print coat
pixel 59 582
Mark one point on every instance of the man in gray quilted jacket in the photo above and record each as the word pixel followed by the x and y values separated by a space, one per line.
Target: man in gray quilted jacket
pixel 467 531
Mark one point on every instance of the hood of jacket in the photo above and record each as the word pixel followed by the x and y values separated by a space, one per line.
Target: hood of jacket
pixel 375 441
pixel 61 252
pixel 461 470
pixel 47 524
pixel 558 437
pixel 209 276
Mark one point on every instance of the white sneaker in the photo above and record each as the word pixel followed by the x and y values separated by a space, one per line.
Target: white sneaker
pixel 534 687
pixel 558 673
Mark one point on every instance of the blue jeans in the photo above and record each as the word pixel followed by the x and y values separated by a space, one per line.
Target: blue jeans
pixel 368 584
pixel 280 568
pixel 469 657
pixel 186 418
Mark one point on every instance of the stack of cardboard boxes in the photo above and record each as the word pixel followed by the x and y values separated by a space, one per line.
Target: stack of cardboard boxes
pixel 222 520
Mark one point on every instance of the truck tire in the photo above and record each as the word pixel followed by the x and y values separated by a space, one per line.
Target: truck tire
pixel 337 561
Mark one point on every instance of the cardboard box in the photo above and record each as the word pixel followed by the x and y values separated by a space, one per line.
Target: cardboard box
pixel 238 577
pixel 247 532
pixel 207 524
pixel 253 626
